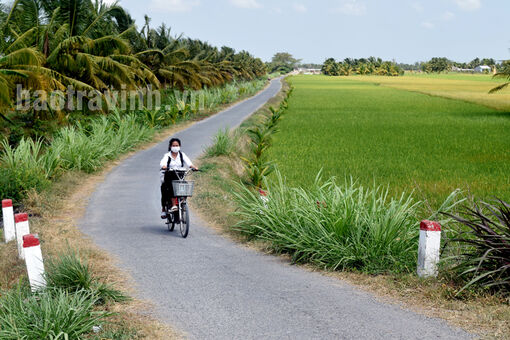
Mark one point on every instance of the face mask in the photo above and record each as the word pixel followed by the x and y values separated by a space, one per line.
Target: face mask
pixel 175 149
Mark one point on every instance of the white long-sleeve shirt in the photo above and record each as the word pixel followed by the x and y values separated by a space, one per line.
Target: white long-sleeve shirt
pixel 174 163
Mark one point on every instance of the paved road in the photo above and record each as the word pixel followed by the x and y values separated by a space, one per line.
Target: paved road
pixel 211 288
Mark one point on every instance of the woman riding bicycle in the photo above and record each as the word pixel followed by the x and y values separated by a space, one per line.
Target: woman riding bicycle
pixel 174 159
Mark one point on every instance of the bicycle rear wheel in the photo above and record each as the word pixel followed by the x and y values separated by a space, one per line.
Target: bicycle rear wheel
pixel 184 226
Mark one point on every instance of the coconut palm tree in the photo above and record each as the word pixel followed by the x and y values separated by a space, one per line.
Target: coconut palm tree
pixel 505 74
pixel 91 45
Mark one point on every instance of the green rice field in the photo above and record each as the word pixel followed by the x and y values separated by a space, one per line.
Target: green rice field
pixel 387 136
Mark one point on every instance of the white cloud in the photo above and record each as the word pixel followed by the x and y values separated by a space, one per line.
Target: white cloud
pixel 299 8
pixel 428 25
pixel 352 7
pixel 469 5
pixel 447 16
pixel 173 5
pixel 246 3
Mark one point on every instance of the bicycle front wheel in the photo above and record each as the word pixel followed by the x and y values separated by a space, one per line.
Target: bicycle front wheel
pixel 170 220
pixel 184 220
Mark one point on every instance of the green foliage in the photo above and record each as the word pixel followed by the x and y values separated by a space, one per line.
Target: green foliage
pixel 70 273
pixel 504 73
pixel 223 144
pixel 117 331
pixel 50 314
pixel 436 65
pixel 260 135
pixel 16 182
pixel 29 155
pixel 481 243
pixel 336 226
pixel 87 145
pixel 95 46
pixel 363 66
pixel 209 98
pixel 86 149
pixel 24 168
pixel 283 62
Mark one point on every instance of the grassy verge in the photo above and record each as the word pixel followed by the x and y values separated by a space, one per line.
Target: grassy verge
pixel 55 211
pixel 476 311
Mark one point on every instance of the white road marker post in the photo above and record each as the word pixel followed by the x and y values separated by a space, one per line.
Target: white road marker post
pixel 22 229
pixel 34 261
pixel 263 197
pixel 8 218
pixel 428 249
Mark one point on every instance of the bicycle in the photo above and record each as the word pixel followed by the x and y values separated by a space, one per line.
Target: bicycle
pixel 182 190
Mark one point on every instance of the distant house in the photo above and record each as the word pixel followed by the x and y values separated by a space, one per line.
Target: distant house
pixel 483 69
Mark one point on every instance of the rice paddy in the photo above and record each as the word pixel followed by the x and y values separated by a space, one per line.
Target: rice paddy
pixel 372 130
pixel 467 87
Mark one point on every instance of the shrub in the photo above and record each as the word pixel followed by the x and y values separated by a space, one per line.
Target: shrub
pixel 481 242
pixel 68 272
pixel 335 226
pixel 51 314
pixel 16 182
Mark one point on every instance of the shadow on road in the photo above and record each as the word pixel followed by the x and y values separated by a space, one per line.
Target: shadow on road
pixel 160 230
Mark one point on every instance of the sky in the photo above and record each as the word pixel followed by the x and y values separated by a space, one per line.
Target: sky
pixel 313 30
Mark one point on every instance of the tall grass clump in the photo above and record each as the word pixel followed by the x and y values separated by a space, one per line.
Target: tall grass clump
pixel 24 167
pixel 335 226
pixel 86 148
pixel 50 314
pixel 224 143
pixel 72 274
pixel 480 243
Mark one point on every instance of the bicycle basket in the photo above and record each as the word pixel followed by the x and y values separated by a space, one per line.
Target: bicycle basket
pixel 183 188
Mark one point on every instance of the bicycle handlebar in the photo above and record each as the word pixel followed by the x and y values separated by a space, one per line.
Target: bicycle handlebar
pixel 181 170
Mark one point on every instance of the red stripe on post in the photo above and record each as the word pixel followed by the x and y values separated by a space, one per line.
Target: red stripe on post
pixel 6 203
pixel 427 225
pixel 30 240
pixel 23 217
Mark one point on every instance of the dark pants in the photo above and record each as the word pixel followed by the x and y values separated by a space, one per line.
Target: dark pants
pixel 167 190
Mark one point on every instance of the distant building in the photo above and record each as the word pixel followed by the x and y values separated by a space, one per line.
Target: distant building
pixel 458 69
pixel 309 70
pixel 483 69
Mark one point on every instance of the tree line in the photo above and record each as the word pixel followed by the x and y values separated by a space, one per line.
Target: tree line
pixel 363 66
pixel 93 46
pixel 442 64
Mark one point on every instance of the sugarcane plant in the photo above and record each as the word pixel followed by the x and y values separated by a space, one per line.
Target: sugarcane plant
pixel 260 135
pixel 481 242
